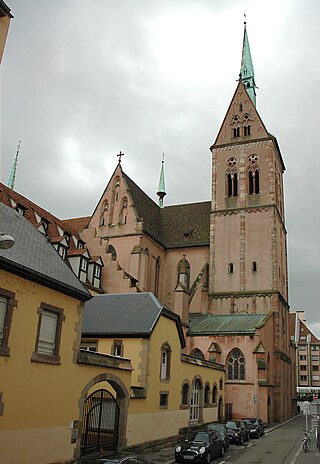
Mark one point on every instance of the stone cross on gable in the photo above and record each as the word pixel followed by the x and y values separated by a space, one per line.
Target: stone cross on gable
pixel 119 156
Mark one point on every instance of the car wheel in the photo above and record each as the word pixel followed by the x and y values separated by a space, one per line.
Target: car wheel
pixel 208 458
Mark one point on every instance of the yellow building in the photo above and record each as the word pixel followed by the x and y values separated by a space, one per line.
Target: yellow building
pixel 44 379
pixel 169 390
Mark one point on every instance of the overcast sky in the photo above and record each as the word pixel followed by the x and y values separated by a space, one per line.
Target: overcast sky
pixel 82 80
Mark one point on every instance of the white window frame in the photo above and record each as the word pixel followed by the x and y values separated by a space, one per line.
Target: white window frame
pixel 48 333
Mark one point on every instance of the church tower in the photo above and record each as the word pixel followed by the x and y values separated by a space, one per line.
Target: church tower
pixel 248 256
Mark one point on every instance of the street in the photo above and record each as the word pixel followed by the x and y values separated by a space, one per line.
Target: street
pixel 281 446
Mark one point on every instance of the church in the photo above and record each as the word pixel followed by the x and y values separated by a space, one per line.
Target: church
pixel 221 265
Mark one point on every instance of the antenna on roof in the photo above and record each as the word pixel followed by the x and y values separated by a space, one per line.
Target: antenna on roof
pixel 13 172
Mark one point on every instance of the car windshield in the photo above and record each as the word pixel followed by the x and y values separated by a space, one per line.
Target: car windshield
pixel 197 436
pixel 218 428
pixel 250 421
pixel 233 425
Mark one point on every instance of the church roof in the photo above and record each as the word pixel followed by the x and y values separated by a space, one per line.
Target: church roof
pixel 34 258
pixel 125 315
pixel 172 226
pixel 217 324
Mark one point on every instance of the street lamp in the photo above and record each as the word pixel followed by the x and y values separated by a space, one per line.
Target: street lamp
pixel 6 241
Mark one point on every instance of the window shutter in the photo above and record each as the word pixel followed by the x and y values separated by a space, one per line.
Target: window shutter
pixel 3 310
pixel 47 336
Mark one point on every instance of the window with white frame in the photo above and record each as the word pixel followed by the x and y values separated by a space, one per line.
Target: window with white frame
pixel 84 264
pixel 49 334
pixel 7 305
pixel 165 362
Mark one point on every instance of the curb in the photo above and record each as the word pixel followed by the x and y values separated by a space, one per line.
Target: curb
pixel 282 423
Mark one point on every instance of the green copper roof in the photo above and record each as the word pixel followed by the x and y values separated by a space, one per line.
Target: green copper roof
pixel 161 188
pixel 213 324
pixel 246 71
pixel 13 172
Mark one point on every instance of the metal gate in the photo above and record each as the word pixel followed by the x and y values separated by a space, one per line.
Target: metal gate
pixel 100 422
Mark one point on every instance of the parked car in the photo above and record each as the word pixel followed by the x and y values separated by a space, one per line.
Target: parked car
pixel 255 426
pixel 199 446
pixel 121 458
pixel 222 431
pixel 237 432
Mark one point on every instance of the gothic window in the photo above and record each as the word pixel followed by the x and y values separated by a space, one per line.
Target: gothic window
pixel 206 398
pixel 236 365
pixel 196 353
pixel 185 394
pixel 184 273
pixel 232 184
pixel 214 394
pixel 123 211
pixel 113 252
pixel 116 188
pixel 220 384
pixel 236 126
pixel 195 400
pixel 104 213
pixel 246 130
pixel 165 362
pixel 253 181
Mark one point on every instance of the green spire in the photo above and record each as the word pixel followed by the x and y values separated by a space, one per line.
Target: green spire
pixel 13 172
pixel 162 188
pixel 246 71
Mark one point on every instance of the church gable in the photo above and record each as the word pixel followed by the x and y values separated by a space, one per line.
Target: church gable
pixel 115 210
pixel 242 122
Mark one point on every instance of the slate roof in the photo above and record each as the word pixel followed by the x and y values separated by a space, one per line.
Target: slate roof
pixel 217 324
pixel 34 258
pixel 172 226
pixel 125 315
pixel 31 209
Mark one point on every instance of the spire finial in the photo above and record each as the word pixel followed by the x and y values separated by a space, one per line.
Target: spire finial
pixel 119 156
pixel 161 189
pixel 12 177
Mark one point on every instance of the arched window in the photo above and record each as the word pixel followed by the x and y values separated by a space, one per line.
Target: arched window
pixel 116 188
pixel 104 213
pixel 246 130
pixel 220 384
pixel 123 211
pixel 232 184
pixel 236 126
pixel 236 365
pixel 113 252
pixel 214 394
pixel 206 398
pixel 184 273
pixel 196 353
pixel 195 400
pixel 185 394
pixel 253 181
pixel 165 362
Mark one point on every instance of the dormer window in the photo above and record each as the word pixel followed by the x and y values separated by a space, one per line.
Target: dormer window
pixel 80 245
pixel 45 224
pixel 84 264
pixel 97 271
pixel 62 250
pixel 21 209
pixel 68 237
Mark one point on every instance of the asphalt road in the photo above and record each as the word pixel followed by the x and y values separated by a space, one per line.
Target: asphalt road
pixel 281 446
